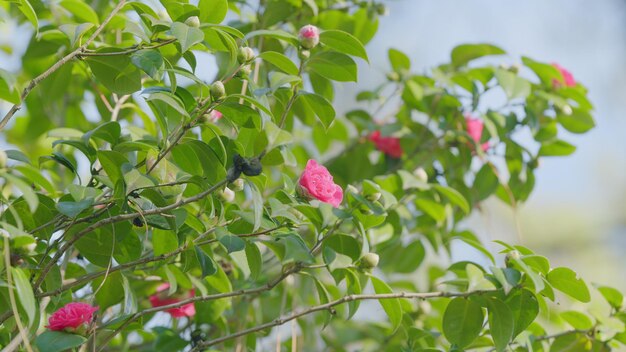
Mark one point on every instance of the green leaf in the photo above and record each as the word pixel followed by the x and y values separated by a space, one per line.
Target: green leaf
pixel 577 320
pixel 164 241
pixel 281 61
pixel 408 258
pixel 75 31
pixel 344 244
pixel 81 11
pixel 465 53
pixel 391 306
pixel 566 281
pixel 56 341
pixel 524 307
pixel 276 34
pixel 29 13
pixel 257 205
pixel 255 261
pixel 112 164
pixel 108 131
pixel 454 196
pixel 187 36
pixel 115 72
pixel 317 104
pixel 8 90
pixel 399 61
pixel 232 243
pixel 148 60
pixel 613 296
pixel 25 293
pixel 462 321
pixel 556 148
pixel 169 99
pixel 212 11
pixel 485 183
pixel 343 42
pixel 27 192
pixel 72 209
pixel 514 86
pixel 579 121
pixel 206 263
pixel 334 66
pixel 501 323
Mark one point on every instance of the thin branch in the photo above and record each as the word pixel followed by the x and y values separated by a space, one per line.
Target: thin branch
pixel 118 218
pixel 129 50
pixel 326 306
pixel 80 50
pixel 146 260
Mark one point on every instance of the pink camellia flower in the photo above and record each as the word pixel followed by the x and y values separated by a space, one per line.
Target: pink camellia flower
pixel 317 183
pixel 388 145
pixel 475 130
pixel 161 299
pixel 568 78
pixel 71 317
pixel 309 36
pixel 215 116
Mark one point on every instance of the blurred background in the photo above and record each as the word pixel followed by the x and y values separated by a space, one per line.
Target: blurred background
pixel 576 215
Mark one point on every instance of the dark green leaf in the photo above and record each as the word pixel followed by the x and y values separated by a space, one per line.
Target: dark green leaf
pixel 57 341
pixel 465 53
pixel 462 321
pixel 343 42
pixel 334 66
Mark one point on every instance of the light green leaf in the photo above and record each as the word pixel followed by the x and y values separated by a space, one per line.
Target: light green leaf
pixel 556 148
pixel 29 13
pixel 281 61
pixel 25 293
pixel 321 107
pixel 187 36
pixel 81 11
pixel 212 11
pixel 514 86
pixel 343 42
pixel 579 121
pixel 399 61
pixel 334 66
pixel 465 53
pixel 391 306
pixel 566 281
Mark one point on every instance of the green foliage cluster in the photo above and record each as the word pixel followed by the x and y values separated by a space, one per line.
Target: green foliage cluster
pixel 121 176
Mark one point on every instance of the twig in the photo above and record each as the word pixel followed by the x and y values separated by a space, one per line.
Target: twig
pixel 326 306
pixel 57 65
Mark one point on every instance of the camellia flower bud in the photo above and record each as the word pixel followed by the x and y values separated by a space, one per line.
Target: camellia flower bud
pixel 218 92
pixel 245 54
pixel 567 110
pixel 373 197
pixel 421 174
pixel 369 261
pixel 193 21
pixel 512 255
pixel 245 70
pixel 309 36
pixel 304 54
pixel 352 189
pixel 393 76
pixel 237 185
pixel 227 195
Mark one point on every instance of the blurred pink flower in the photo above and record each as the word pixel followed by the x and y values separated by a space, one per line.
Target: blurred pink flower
pixel 161 299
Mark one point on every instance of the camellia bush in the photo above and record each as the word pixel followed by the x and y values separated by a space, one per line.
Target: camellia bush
pixel 146 207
